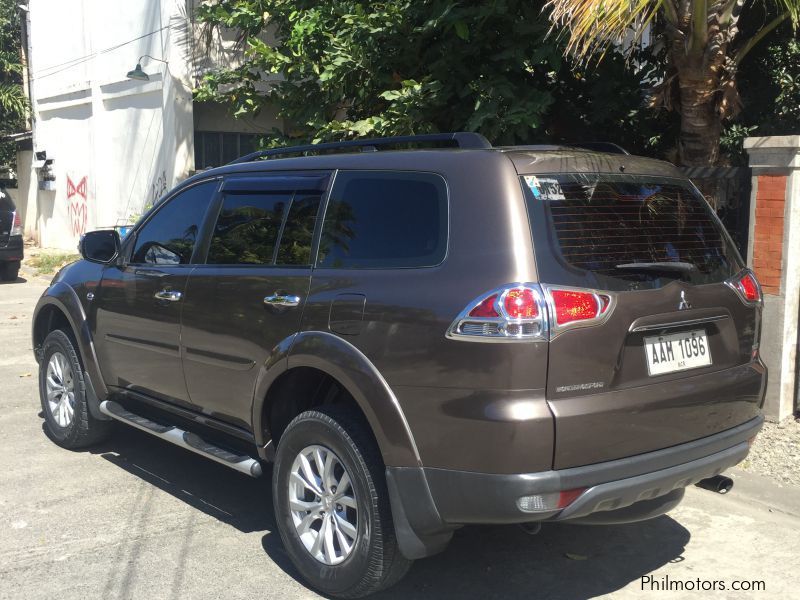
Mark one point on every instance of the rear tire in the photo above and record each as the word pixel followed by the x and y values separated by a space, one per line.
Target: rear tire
pixel 9 271
pixel 352 566
pixel 62 391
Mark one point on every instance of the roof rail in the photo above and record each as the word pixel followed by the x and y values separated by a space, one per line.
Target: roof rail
pixel 609 147
pixel 460 139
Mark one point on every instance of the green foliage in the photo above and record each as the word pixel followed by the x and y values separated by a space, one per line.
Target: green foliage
pixel 783 66
pixel 769 82
pixel 46 263
pixel 13 103
pixel 353 68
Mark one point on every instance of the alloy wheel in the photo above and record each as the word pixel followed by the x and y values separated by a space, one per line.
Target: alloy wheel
pixel 323 505
pixel 60 389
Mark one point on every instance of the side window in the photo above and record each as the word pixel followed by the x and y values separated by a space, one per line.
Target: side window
pixel 385 220
pixel 168 238
pixel 247 228
pixel 295 246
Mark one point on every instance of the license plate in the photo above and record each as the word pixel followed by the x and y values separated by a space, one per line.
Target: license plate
pixel 677 352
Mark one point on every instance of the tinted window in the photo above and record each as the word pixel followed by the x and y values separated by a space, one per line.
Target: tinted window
pixel 247 228
pixel 385 220
pixel 169 236
pixel 625 232
pixel 6 203
pixel 295 245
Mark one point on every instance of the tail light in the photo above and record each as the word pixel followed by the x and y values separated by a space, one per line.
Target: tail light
pixel 571 307
pixel 747 287
pixel 529 312
pixel 16 228
pixel 516 312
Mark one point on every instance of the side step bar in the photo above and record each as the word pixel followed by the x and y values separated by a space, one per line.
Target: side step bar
pixel 184 439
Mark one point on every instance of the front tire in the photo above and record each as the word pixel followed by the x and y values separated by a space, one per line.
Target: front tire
pixel 332 506
pixel 62 391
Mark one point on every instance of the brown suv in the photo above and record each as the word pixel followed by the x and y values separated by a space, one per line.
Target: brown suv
pixel 419 339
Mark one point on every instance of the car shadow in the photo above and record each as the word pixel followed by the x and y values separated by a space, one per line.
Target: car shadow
pixel 233 498
pixel 567 562
pixel 17 280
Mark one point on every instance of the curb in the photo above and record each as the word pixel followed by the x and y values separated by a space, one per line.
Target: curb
pixel 765 491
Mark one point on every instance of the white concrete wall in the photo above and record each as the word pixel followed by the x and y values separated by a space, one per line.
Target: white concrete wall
pixel 130 140
pixel 118 144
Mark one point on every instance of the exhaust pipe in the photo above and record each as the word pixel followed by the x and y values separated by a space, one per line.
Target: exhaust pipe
pixel 531 528
pixel 718 483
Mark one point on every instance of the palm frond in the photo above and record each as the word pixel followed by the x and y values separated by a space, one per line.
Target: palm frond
pixel 13 103
pixel 592 26
pixel 790 7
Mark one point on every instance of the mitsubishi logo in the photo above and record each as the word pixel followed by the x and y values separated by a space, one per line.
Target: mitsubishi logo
pixel 684 303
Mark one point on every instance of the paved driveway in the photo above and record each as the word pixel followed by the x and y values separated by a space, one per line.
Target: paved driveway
pixel 139 518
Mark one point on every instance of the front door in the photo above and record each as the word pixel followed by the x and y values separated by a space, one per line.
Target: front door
pixel 249 295
pixel 138 303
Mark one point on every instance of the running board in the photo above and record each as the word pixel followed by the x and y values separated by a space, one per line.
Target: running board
pixel 184 439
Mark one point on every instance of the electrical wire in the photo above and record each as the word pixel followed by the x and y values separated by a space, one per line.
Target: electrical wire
pixel 80 60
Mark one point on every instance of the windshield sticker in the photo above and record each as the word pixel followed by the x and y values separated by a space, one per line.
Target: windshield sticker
pixel 543 188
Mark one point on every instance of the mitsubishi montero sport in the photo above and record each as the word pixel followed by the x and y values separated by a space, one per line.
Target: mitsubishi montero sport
pixel 420 333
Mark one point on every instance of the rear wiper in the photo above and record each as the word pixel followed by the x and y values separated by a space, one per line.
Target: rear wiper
pixel 683 267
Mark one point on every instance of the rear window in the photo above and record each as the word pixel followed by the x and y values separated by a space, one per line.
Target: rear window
pixel 6 203
pixel 384 220
pixel 619 232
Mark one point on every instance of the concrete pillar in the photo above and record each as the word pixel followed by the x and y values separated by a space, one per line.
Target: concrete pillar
pixel 773 250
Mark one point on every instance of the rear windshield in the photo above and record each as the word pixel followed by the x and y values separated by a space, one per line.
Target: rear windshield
pixel 620 232
pixel 6 203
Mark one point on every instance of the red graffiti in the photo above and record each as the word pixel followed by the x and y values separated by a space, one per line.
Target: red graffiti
pixel 77 206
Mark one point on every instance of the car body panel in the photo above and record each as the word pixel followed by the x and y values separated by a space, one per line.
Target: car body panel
pixel 137 335
pixel 68 294
pixel 13 250
pixel 227 332
pixel 343 361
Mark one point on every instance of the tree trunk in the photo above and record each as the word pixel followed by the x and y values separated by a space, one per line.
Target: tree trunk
pixel 701 125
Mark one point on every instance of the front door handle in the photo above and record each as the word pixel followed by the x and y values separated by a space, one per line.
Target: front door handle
pixel 282 300
pixel 150 273
pixel 169 295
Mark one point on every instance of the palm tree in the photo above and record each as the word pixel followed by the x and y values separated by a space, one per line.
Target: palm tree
pixel 703 54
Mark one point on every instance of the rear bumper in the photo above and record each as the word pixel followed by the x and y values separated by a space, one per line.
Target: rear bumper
pixel 13 250
pixel 435 501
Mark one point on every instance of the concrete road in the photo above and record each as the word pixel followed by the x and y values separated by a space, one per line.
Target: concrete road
pixel 139 518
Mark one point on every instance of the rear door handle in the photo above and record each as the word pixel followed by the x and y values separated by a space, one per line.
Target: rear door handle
pixel 169 295
pixel 282 300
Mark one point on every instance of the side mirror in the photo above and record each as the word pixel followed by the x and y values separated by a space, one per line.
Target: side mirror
pixel 100 246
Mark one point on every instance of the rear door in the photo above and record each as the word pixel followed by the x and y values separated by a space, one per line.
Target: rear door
pixel 651 344
pixel 249 294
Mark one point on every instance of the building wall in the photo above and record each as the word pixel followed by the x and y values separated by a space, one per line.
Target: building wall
pixel 117 144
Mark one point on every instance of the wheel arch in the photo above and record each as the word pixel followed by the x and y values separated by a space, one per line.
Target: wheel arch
pixel 58 307
pixel 328 354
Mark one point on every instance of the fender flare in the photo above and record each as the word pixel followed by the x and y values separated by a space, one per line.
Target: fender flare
pixel 344 362
pixel 63 298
